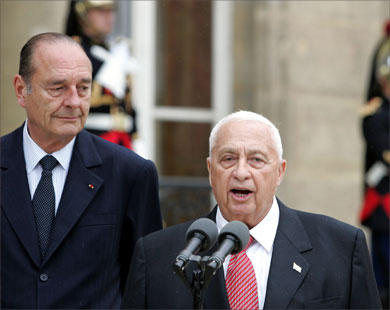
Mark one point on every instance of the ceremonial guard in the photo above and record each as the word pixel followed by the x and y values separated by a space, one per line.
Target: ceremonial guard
pixel 112 115
pixel 374 89
pixel 376 205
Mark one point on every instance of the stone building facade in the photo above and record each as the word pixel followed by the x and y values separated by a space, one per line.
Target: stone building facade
pixel 303 64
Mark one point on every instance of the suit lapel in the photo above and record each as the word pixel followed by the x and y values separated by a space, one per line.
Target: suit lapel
pixel 288 266
pixel 81 186
pixel 15 195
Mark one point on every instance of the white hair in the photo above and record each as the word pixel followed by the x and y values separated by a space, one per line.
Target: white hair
pixel 247 116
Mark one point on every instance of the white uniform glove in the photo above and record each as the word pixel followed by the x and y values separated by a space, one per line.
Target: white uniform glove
pixel 117 64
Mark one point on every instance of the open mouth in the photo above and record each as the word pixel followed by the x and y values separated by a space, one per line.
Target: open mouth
pixel 241 192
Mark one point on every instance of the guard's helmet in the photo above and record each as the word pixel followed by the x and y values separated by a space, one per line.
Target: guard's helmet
pixel 83 6
pixel 382 63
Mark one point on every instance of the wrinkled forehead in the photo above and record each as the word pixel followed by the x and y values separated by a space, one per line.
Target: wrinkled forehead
pixel 60 51
pixel 250 134
pixel 244 129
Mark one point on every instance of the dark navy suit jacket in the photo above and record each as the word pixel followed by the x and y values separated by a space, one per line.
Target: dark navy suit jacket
pixel 110 199
pixel 335 270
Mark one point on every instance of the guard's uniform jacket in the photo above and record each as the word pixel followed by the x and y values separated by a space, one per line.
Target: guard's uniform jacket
pixel 376 205
pixel 109 117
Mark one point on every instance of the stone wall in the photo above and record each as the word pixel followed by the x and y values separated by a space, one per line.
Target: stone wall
pixel 19 20
pixel 305 65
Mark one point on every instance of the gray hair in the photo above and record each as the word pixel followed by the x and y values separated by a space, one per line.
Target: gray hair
pixel 247 116
pixel 26 68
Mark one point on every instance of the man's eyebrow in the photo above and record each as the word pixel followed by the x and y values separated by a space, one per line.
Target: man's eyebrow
pixel 227 150
pixel 63 81
pixel 55 82
pixel 86 80
pixel 233 150
pixel 256 151
pixel 251 152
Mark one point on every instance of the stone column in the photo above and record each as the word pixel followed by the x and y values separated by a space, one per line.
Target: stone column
pixel 305 65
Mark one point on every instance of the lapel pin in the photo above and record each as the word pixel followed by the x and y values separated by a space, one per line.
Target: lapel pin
pixel 297 267
pixel 91 186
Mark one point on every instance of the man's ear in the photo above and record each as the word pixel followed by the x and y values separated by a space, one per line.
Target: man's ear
pixel 209 169
pixel 20 87
pixel 281 171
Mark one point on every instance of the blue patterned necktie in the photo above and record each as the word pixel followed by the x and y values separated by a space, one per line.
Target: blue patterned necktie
pixel 44 202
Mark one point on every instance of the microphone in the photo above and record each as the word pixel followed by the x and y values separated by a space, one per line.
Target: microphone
pixel 200 236
pixel 233 238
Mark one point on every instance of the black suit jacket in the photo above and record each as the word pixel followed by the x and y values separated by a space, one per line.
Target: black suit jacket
pixel 95 228
pixel 336 269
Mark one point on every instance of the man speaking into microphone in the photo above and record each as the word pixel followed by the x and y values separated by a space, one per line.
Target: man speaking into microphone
pixel 293 259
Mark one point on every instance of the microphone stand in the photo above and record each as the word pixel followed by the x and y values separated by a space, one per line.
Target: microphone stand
pixel 201 277
pixel 197 289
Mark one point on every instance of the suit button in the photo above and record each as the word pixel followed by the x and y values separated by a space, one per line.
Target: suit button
pixel 43 277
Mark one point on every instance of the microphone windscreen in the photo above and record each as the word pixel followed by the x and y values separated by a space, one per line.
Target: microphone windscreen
pixel 206 228
pixel 239 231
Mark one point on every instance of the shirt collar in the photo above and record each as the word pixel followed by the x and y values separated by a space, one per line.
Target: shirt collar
pixel 265 231
pixel 33 153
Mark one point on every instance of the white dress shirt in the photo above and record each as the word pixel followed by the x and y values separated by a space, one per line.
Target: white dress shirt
pixel 33 154
pixel 260 251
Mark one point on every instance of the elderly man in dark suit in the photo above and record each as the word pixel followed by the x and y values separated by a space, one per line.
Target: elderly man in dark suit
pixel 297 259
pixel 72 204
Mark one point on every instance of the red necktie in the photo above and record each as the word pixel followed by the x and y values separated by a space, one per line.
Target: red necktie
pixel 241 285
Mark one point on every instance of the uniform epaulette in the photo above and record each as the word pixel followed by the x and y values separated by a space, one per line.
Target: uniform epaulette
pixel 386 156
pixel 371 107
pixel 77 39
